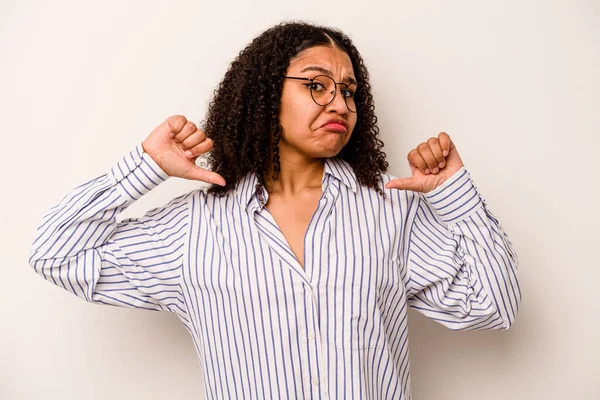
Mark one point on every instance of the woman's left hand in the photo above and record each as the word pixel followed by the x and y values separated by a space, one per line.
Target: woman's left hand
pixel 431 164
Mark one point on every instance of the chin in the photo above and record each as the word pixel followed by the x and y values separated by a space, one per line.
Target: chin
pixel 330 148
pixel 328 153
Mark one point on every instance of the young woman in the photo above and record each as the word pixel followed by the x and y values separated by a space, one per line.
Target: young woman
pixel 293 271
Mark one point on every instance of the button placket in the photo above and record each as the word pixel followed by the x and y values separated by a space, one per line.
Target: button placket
pixel 314 339
pixel 261 195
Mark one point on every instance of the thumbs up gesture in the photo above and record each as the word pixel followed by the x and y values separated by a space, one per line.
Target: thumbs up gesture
pixel 175 145
pixel 431 164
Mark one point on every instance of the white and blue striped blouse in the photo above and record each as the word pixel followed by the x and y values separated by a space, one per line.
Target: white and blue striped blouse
pixel 264 327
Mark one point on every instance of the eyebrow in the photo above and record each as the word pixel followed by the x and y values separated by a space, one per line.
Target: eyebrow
pixel 327 72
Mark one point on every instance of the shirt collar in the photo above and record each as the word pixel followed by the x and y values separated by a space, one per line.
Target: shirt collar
pixel 335 167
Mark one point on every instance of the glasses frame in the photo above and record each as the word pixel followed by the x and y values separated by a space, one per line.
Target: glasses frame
pixel 335 91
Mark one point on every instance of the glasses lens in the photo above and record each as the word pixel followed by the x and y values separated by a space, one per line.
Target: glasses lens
pixel 322 90
pixel 349 94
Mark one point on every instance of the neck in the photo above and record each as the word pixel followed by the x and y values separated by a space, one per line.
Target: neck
pixel 297 175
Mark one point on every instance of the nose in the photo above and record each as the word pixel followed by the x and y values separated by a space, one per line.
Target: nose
pixel 338 105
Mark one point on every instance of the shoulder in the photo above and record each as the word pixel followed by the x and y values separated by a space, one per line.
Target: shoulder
pixel 393 201
pixel 201 197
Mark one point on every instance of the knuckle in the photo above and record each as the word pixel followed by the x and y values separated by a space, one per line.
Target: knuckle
pixel 190 126
pixel 419 162
pixel 208 143
pixel 202 147
pixel 177 122
pixel 422 146
pixel 201 135
pixel 177 119
pixel 432 140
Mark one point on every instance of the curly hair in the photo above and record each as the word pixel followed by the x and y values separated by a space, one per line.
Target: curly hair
pixel 243 116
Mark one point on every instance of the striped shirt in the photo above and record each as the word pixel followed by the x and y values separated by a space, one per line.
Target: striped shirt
pixel 263 326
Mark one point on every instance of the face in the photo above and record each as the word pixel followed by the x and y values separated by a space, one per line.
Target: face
pixel 307 127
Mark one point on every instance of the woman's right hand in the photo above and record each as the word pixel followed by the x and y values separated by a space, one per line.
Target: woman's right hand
pixel 175 145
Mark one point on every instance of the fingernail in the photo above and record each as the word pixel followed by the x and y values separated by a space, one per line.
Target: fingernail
pixel 445 153
pixel 172 134
pixel 435 170
pixel 427 171
pixel 188 153
pixel 442 164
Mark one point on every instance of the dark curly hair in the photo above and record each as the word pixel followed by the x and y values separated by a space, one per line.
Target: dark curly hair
pixel 243 116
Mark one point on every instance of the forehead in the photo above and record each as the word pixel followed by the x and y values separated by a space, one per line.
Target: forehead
pixel 328 57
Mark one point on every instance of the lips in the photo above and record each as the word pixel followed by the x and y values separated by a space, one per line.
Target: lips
pixel 336 126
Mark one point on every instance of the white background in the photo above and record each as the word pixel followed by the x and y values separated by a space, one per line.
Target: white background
pixel 515 83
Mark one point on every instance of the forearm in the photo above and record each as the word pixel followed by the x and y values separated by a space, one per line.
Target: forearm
pixel 463 268
pixel 86 217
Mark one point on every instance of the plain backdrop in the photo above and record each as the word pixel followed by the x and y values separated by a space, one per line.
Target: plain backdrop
pixel 515 83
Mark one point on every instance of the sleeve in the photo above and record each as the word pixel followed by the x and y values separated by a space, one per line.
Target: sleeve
pixel 135 263
pixel 461 266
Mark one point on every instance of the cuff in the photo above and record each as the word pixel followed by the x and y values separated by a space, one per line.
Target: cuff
pixel 137 173
pixel 455 199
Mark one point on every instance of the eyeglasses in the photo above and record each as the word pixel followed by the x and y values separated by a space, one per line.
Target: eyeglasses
pixel 323 90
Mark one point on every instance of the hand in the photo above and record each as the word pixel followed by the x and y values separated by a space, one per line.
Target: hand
pixel 431 164
pixel 175 145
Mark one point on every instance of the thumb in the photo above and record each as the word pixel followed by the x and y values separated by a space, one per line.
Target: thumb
pixel 200 174
pixel 404 184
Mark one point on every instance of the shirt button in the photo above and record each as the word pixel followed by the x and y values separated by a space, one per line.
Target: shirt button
pixel 315 381
pixel 311 336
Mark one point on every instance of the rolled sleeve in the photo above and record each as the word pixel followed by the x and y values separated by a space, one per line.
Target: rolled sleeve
pixel 455 199
pixel 136 174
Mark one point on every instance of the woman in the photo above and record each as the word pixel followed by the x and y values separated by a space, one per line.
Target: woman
pixel 294 270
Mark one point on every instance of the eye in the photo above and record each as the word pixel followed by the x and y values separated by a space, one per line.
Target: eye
pixel 347 93
pixel 315 86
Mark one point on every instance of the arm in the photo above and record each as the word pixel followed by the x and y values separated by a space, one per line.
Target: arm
pixel 461 266
pixel 137 263
pixel 82 248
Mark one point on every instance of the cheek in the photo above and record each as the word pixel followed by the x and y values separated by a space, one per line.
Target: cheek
pixel 352 121
pixel 298 117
